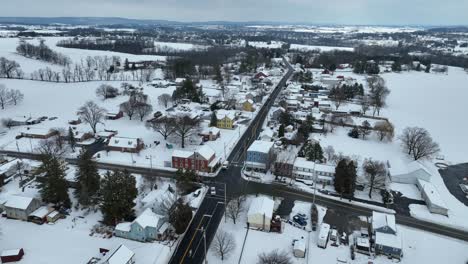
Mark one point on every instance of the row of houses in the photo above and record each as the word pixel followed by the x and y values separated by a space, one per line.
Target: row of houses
pixel 261 157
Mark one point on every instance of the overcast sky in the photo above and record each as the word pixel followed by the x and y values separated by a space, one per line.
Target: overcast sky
pixel 391 12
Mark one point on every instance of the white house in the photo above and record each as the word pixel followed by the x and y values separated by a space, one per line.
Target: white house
pixel 434 202
pixel 309 170
pixel 260 213
pixel 410 173
pixel 119 255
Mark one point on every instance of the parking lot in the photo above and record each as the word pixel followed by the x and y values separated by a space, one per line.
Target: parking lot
pixel 453 177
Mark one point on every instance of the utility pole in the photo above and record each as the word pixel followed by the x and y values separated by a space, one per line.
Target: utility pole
pixel 315 186
pixel 225 202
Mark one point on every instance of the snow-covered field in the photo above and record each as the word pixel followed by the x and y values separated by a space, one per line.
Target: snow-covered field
pixel 177 46
pixel 8 50
pixel 436 102
pixel 263 44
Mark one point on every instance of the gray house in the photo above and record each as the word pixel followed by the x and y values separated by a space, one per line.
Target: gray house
pixel 387 239
pixel 20 207
pixel 146 227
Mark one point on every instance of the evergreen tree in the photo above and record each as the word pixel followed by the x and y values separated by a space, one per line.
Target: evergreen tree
pixel 354 133
pixel 428 68
pixel 71 138
pixel 281 131
pixel 396 66
pixel 126 65
pixel 313 152
pixel 88 180
pixel 118 194
pixel 345 178
pixel 214 119
pixel 180 217
pixel 54 188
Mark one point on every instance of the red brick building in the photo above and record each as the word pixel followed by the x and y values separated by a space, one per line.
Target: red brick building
pixel 201 160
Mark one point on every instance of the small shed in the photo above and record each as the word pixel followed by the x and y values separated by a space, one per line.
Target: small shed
pixel 39 216
pixel 299 248
pixel 53 217
pixel 12 255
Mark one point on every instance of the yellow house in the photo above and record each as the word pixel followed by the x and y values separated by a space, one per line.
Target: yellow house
pixel 248 105
pixel 225 119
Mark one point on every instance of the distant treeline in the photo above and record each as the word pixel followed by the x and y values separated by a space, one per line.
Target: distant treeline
pixel 42 52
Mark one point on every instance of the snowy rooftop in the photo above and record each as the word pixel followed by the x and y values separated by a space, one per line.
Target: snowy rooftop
pixel 182 153
pixel 121 255
pixel 19 202
pixel 122 142
pixel 10 252
pixel 324 231
pixel 390 240
pixel 431 193
pixel 261 146
pixel 36 131
pixel 125 226
pixel 220 114
pixel 304 163
pixel 262 205
pixel 380 220
pixel 206 152
pixel 147 218
pixel 41 212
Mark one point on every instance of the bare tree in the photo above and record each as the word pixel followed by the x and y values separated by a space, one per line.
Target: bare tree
pixel 384 130
pixel 418 142
pixel 164 126
pixel 49 147
pixel 337 95
pixel 128 108
pixel 107 91
pixel 365 104
pixel 164 99
pixel 378 93
pixel 131 107
pixel 365 129
pixel 92 114
pixel 376 174
pixel 274 257
pixel 184 126
pixel 143 110
pixel 8 68
pixel 224 244
pixel 235 207
pixel 5 97
pixel 165 205
pixel 329 152
pixel 16 96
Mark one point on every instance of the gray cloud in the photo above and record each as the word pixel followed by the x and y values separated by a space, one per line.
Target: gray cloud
pixel 312 11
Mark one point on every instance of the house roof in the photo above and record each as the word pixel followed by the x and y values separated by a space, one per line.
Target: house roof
pixel 389 240
pixel 11 252
pixel 206 152
pixel 36 131
pixel 124 227
pixel 221 114
pixel 380 220
pixel 261 146
pixel 304 163
pixel 262 205
pixel 431 193
pixel 18 202
pixel 120 255
pixel 182 153
pixel 147 218
pixel 40 212
pixel 123 142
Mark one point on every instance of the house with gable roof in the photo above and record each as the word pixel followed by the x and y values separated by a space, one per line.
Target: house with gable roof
pixel 386 236
pixel 148 226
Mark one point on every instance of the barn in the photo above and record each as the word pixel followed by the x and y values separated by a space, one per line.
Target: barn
pixel 12 255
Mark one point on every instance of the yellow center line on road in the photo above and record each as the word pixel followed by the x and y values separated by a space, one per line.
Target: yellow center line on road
pixel 191 241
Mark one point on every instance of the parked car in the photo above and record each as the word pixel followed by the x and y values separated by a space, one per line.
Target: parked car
pixel 213 191
pixel 333 234
pixel 197 193
pixel 225 165
pixel 299 220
